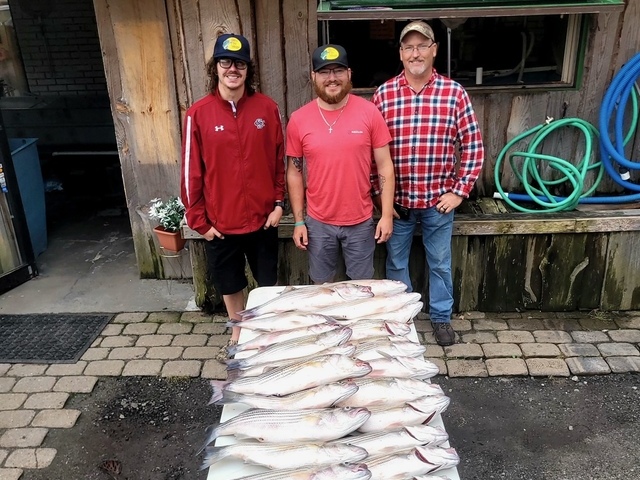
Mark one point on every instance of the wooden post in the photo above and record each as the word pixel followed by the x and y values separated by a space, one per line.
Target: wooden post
pixel 138 64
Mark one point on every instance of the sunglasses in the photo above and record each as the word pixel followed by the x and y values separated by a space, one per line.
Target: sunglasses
pixel 227 62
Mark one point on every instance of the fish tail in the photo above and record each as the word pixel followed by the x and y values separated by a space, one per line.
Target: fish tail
pixel 248 314
pixel 229 397
pixel 218 387
pixel 211 434
pixel 235 364
pixel 212 455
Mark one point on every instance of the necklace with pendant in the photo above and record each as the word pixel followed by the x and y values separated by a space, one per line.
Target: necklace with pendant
pixel 330 125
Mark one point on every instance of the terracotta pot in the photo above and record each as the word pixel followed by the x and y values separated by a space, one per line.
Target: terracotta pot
pixel 171 241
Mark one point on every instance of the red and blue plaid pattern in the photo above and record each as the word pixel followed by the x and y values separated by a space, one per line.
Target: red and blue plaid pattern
pixel 427 128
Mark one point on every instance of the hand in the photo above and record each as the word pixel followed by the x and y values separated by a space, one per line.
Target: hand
pixel 384 229
pixel 212 233
pixel 300 237
pixel 273 220
pixel 448 202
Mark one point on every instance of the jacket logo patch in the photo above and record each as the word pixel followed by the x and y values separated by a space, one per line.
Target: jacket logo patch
pixel 219 128
pixel 260 123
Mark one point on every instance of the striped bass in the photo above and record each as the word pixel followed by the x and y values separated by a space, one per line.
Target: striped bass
pixel 403 314
pixel 345 349
pixel 309 298
pixel 293 378
pixel 402 367
pixel 411 413
pixel 282 321
pixel 394 347
pixel 388 392
pixel 368 307
pixel 286 455
pixel 418 461
pixel 291 426
pixel 294 348
pixel 378 286
pixel 378 328
pixel 270 338
pixel 323 396
pixel 430 477
pixel 396 441
pixel 353 471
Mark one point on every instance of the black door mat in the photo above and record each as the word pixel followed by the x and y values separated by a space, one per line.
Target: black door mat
pixel 49 337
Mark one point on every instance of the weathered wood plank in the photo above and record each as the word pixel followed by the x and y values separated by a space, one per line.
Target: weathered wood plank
pixel 270 51
pixel 516 223
pixel 566 270
pixel 504 274
pixel 206 296
pixel 135 36
pixel 295 19
pixel 621 289
pixel 467 269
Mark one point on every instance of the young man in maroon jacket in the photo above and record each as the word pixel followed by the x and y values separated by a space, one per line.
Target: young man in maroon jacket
pixel 233 175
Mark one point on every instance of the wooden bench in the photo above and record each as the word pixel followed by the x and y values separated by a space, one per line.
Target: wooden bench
pixel 504 260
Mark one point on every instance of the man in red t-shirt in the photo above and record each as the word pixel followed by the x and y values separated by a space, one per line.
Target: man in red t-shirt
pixel 335 137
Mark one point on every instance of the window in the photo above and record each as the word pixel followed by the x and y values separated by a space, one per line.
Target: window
pixel 483 50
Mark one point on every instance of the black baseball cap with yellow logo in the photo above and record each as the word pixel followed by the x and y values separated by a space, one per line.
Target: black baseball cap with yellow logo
pixel 231 45
pixel 330 54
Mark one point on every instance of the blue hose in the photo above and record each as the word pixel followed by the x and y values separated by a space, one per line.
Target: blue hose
pixel 616 97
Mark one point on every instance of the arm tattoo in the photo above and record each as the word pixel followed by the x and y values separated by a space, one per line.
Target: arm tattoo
pixel 297 162
pixel 381 181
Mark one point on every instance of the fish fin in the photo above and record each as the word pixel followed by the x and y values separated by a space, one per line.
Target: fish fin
pixel 211 433
pixel 212 455
pixel 385 355
pixel 287 289
pixel 231 376
pixel 218 387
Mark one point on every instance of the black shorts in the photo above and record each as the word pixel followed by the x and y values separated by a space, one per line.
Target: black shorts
pixel 226 260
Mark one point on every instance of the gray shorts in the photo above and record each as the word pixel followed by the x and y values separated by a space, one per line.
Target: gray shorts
pixel 325 240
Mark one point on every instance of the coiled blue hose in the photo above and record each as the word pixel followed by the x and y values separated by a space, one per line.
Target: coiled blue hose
pixel 616 97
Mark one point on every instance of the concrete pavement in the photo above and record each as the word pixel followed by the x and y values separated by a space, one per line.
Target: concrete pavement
pixel 184 344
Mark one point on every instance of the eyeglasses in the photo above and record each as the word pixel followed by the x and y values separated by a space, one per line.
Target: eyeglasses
pixel 422 48
pixel 338 72
pixel 227 62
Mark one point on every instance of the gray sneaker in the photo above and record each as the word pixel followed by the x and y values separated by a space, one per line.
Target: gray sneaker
pixel 223 354
pixel 444 333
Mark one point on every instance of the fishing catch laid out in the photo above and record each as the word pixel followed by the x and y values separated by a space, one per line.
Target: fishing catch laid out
pixel 333 385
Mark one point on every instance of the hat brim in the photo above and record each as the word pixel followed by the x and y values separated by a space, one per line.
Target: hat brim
pixel 235 56
pixel 330 62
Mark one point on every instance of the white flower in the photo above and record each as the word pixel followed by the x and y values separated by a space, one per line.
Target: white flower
pixel 169 214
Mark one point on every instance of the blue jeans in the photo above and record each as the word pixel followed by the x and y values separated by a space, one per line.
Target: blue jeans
pixel 436 238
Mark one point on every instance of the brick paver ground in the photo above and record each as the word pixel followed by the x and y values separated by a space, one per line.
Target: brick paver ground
pixel 33 397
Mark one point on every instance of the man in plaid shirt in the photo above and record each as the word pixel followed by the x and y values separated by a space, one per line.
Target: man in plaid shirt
pixel 428 116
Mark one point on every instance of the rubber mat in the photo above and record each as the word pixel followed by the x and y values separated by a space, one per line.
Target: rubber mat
pixel 48 338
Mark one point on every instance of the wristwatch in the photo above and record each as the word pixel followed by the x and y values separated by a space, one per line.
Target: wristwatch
pixel 279 203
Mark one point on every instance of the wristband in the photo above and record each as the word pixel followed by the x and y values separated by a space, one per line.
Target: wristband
pixel 279 203
pixel 299 224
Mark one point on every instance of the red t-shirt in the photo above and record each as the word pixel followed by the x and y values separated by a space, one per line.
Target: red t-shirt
pixel 338 163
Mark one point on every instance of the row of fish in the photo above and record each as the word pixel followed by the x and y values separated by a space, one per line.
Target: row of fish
pixel 335 387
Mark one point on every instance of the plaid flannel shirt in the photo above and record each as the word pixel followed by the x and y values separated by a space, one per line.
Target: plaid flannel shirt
pixel 426 126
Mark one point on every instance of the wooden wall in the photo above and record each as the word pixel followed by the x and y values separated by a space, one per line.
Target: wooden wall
pixel 613 39
pixel 155 51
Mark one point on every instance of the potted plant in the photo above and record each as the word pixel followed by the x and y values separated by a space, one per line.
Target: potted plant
pixel 169 214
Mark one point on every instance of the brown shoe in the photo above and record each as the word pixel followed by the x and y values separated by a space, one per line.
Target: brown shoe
pixel 444 333
pixel 223 354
